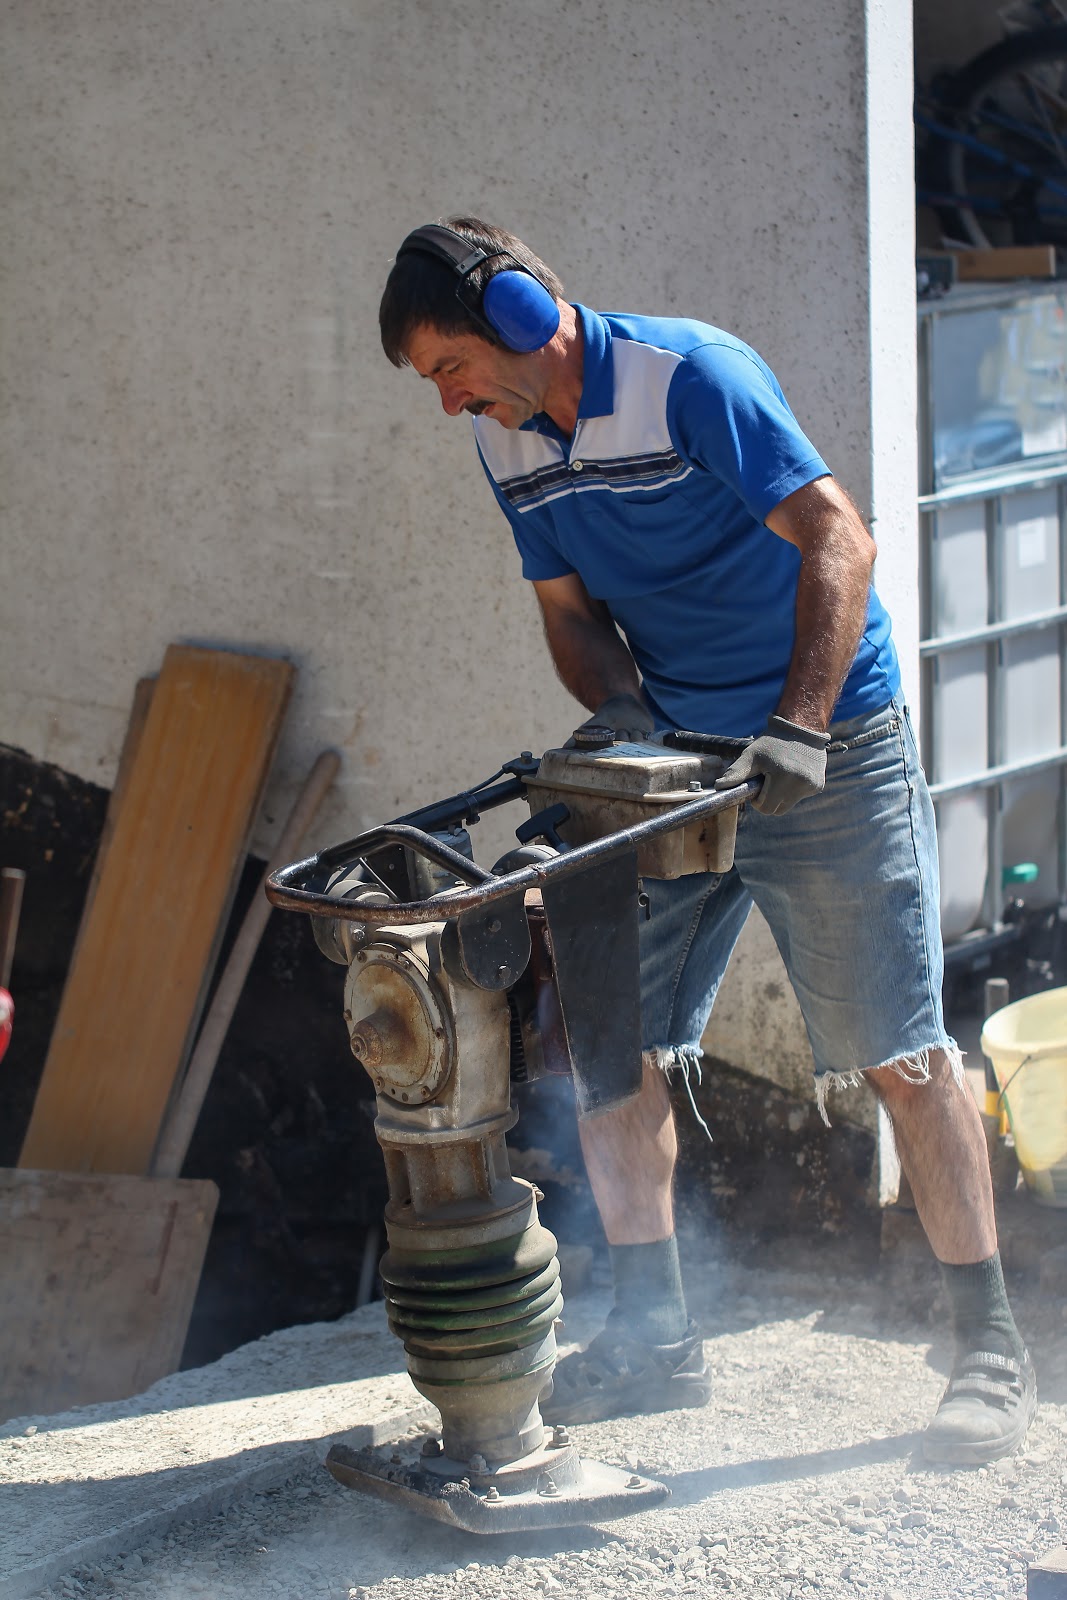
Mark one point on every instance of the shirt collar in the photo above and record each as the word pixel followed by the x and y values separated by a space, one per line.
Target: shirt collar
pixel 598 373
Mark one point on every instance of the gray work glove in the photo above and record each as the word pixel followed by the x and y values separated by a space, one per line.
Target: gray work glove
pixel 790 759
pixel 626 714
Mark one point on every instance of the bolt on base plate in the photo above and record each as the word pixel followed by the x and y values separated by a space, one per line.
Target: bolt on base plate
pixel 594 1493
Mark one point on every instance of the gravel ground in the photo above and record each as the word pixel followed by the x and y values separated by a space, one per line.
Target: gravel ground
pixel 800 1478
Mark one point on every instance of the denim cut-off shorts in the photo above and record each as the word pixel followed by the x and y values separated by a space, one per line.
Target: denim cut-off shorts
pixel 848 882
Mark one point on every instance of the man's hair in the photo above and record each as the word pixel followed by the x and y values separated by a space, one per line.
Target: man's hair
pixel 422 290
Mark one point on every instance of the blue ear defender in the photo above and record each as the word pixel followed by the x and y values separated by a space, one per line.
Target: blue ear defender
pixel 521 310
pixel 515 306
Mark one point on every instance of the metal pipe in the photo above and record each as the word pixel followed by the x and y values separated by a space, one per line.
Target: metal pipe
pixel 993 630
pixel 467 806
pixel 1010 769
pixel 984 487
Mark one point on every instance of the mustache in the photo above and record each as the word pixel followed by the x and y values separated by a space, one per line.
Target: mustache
pixel 476 407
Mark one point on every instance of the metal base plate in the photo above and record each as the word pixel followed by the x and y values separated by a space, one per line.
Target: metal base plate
pixel 597 1494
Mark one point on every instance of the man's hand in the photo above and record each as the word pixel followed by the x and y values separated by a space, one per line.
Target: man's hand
pixel 791 761
pixel 626 713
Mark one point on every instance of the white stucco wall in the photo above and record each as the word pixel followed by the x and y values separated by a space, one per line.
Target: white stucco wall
pixel 201 439
pixel 878 462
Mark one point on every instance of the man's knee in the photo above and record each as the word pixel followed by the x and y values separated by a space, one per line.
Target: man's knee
pixel 645 1115
pixel 905 1082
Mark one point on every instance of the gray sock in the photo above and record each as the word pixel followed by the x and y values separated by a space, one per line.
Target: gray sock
pixel 649 1299
pixel 981 1314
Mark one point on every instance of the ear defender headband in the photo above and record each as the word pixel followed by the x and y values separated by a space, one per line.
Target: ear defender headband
pixel 515 307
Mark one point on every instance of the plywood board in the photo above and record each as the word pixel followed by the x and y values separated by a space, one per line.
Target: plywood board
pixel 142 699
pixel 97 1280
pixel 146 949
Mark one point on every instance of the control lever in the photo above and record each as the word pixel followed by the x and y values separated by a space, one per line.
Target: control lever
pixel 543 825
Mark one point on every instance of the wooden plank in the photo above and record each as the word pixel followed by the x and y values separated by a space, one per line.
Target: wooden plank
pixel 1010 261
pixel 142 699
pixel 184 1114
pixel 139 974
pixel 97 1280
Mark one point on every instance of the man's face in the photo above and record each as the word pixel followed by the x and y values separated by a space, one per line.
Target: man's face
pixel 473 375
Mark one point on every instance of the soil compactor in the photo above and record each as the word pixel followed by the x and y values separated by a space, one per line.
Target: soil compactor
pixel 462 982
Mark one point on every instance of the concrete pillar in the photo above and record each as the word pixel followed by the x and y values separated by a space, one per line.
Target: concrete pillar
pixel 860 330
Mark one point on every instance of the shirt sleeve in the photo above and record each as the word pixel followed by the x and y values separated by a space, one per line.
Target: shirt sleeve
pixel 540 557
pixel 727 414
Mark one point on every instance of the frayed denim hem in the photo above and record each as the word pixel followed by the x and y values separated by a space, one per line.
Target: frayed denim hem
pixel 687 1058
pixel 913 1068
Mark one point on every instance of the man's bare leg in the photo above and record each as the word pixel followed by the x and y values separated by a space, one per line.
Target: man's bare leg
pixel 630 1154
pixel 942 1150
pixel 991 1396
pixel 650 1357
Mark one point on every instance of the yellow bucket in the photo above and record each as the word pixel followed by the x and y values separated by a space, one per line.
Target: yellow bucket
pixel 1027 1044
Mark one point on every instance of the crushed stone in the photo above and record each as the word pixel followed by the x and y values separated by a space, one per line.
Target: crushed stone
pixel 801 1478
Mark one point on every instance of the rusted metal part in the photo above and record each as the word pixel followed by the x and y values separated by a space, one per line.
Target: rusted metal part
pixel 555 1051
pixel 538 1036
pixel 285 887
pixel 492 947
pixel 432 1136
pixel 553 1490
pixel 399 1030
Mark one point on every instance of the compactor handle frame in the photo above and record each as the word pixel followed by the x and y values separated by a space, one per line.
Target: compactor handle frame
pixel 298 887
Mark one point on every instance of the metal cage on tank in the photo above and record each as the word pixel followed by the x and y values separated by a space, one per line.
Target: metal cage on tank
pixel 993 471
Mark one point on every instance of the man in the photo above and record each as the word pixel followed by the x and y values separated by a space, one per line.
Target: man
pixel 697 566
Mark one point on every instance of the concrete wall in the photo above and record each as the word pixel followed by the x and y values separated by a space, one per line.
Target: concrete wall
pixel 876 349
pixel 202 440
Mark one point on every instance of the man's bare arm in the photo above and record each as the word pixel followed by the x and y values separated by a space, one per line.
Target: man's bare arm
pixel 591 659
pixel 836 556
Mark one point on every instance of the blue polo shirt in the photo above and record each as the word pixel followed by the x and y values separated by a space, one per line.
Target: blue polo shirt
pixel 684 444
